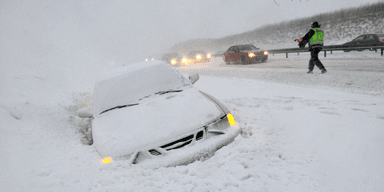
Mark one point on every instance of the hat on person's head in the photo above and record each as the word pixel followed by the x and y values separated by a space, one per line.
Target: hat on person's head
pixel 315 24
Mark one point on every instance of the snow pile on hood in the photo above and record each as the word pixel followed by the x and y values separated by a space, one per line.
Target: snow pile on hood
pixel 154 122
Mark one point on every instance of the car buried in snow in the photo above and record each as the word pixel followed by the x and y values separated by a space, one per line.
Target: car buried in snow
pixel 244 54
pixel 149 113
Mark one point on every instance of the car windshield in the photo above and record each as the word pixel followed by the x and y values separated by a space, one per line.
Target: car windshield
pixel 359 38
pixel 131 83
pixel 248 48
pixel 192 54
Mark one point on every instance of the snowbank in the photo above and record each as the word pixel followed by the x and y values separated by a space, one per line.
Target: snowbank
pixel 295 138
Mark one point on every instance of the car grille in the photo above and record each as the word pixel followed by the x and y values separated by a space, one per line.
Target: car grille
pixel 179 143
pixel 185 141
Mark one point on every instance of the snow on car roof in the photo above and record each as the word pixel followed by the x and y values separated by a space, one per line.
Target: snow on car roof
pixel 247 47
pixel 127 69
pixel 128 84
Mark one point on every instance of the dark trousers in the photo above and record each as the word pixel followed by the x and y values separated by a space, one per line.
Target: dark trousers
pixel 315 59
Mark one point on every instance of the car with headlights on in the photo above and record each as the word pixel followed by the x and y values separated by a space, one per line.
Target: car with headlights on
pixel 194 57
pixel 244 54
pixel 171 58
pixel 149 113
pixel 366 41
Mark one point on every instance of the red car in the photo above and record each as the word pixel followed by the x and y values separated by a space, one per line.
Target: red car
pixel 244 54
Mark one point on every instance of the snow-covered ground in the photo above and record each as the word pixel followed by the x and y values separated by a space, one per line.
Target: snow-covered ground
pixel 301 132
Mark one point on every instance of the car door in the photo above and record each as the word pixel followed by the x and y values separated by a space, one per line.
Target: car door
pixel 232 54
pixel 370 40
pixel 237 55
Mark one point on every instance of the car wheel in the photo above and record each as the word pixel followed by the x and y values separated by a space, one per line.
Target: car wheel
pixel 347 51
pixel 226 62
pixel 263 60
pixel 243 61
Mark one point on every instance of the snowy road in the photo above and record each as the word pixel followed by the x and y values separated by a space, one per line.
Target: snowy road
pixel 354 71
pixel 301 132
pixel 334 137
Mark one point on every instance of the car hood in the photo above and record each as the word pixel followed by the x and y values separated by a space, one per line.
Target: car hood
pixel 156 120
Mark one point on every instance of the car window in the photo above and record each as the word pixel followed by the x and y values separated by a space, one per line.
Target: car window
pixel 370 37
pixel 361 37
pixel 231 49
pixel 248 48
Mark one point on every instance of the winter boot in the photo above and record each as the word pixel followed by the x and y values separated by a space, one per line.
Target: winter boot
pixel 323 71
pixel 310 72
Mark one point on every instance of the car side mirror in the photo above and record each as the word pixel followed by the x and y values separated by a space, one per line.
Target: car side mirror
pixel 193 78
pixel 84 113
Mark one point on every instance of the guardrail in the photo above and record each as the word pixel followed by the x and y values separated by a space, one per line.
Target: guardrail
pixel 325 49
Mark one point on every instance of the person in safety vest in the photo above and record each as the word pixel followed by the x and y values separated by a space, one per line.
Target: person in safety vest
pixel 315 39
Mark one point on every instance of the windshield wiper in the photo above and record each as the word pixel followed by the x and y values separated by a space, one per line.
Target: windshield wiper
pixel 168 91
pixel 118 107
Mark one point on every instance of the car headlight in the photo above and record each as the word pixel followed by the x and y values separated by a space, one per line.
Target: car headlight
pixel 221 126
pixel 266 52
pixel 173 61
pixel 198 56
pixel 209 55
pixel 184 60
pixel 251 54
pixel 106 160
pixel 231 120
pixel 146 59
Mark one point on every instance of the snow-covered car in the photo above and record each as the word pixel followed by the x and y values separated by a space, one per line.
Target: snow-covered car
pixel 244 54
pixel 149 110
pixel 365 41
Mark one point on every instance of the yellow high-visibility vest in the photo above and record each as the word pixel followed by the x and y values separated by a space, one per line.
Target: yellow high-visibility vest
pixel 317 38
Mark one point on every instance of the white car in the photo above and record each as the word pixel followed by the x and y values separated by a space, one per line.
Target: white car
pixel 150 113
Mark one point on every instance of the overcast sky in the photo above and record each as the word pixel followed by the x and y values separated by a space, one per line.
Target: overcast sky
pixel 126 30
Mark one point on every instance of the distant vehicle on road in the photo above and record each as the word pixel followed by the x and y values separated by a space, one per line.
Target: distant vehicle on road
pixel 172 58
pixel 244 54
pixel 366 40
pixel 197 57
pixel 149 59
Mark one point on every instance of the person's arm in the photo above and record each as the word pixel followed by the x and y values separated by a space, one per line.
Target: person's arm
pixel 308 35
pixel 304 40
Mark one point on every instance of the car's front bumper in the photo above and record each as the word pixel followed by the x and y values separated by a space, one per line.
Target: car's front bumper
pixel 187 155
